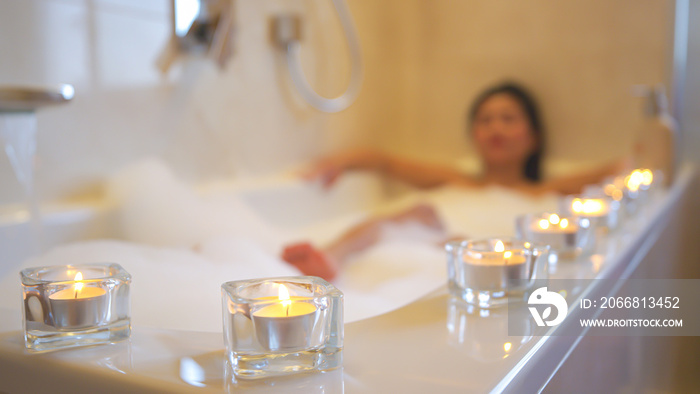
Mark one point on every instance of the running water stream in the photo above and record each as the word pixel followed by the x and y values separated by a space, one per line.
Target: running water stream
pixel 18 138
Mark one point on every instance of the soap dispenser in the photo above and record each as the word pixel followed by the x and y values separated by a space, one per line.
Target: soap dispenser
pixel 655 141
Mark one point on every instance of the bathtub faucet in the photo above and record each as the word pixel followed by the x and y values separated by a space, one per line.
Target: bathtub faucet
pixel 199 27
pixel 29 99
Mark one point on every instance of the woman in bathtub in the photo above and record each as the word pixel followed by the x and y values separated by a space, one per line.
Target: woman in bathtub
pixel 507 131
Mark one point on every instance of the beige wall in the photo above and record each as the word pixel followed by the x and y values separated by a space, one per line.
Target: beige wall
pixel 426 60
pixel 245 120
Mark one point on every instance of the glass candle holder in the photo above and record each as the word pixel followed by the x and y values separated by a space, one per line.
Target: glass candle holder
pixel 75 305
pixel 636 188
pixel 567 236
pixel 602 211
pixel 489 272
pixel 280 326
pixel 612 186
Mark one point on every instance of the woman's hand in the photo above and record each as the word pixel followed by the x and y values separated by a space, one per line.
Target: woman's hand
pixel 328 169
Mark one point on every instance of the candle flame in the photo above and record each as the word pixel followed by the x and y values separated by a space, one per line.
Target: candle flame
pixel 507 254
pixel 577 206
pixel 647 177
pixel 564 223
pixel 507 346
pixel 587 206
pixel 634 180
pixel 554 218
pixel 499 247
pixel 544 224
pixel 284 298
pixel 78 285
pixel 591 206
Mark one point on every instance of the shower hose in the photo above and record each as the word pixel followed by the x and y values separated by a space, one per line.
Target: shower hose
pixel 317 101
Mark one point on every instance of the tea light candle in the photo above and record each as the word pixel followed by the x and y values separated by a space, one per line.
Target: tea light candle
pixel 559 233
pixel 647 177
pixel 590 207
pixel 489 272
pixel 78 306
pixel 492 270
pixel 75 305
pixel 499 256
pixel 286 324
pixel 614 188
pixel 639 179
pixel 567 236
pixel 282 326
pixel 554 225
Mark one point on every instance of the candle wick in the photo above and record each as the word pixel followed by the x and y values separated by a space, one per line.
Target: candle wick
pixel 76 294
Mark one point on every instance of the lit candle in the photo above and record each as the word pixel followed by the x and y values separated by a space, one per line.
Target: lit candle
pixel 566 236
pixel 553 224
pixel 590 207
pixel 79 306
pixel 647 177
pixel 634 180
pixel 281 326
pixel 286 324
pixel 499 256
pixel 614 188
pixel 495 270
pixel 639 179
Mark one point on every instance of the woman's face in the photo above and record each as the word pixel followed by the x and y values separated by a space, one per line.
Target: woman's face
pixel 502 132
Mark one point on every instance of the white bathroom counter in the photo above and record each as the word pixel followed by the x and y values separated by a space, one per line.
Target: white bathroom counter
pixel 433 344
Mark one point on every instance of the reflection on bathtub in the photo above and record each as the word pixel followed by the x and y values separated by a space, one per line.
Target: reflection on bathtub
pixel 473 329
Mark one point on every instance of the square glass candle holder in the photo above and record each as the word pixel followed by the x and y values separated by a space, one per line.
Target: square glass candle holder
pixel 75 305
pixel 613 187
pixel 489 272
pixel 280 326
pixel 567 236
pixel 602 211
pixel 636 188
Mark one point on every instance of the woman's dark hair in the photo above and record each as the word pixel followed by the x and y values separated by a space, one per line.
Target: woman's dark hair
pixel 527 102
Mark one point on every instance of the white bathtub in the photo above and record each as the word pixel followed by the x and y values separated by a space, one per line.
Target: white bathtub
pixel 381 354
pixel 282 201
pixel 284 209
pixel 197 238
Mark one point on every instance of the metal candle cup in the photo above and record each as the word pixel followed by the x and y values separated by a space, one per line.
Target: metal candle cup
pixel 79 309
pixel 285 327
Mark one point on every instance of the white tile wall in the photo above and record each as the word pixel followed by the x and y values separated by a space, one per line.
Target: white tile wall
pixel 206 123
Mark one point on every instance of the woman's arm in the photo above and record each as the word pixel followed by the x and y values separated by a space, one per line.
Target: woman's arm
pixel 574 184
pixel 419 174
